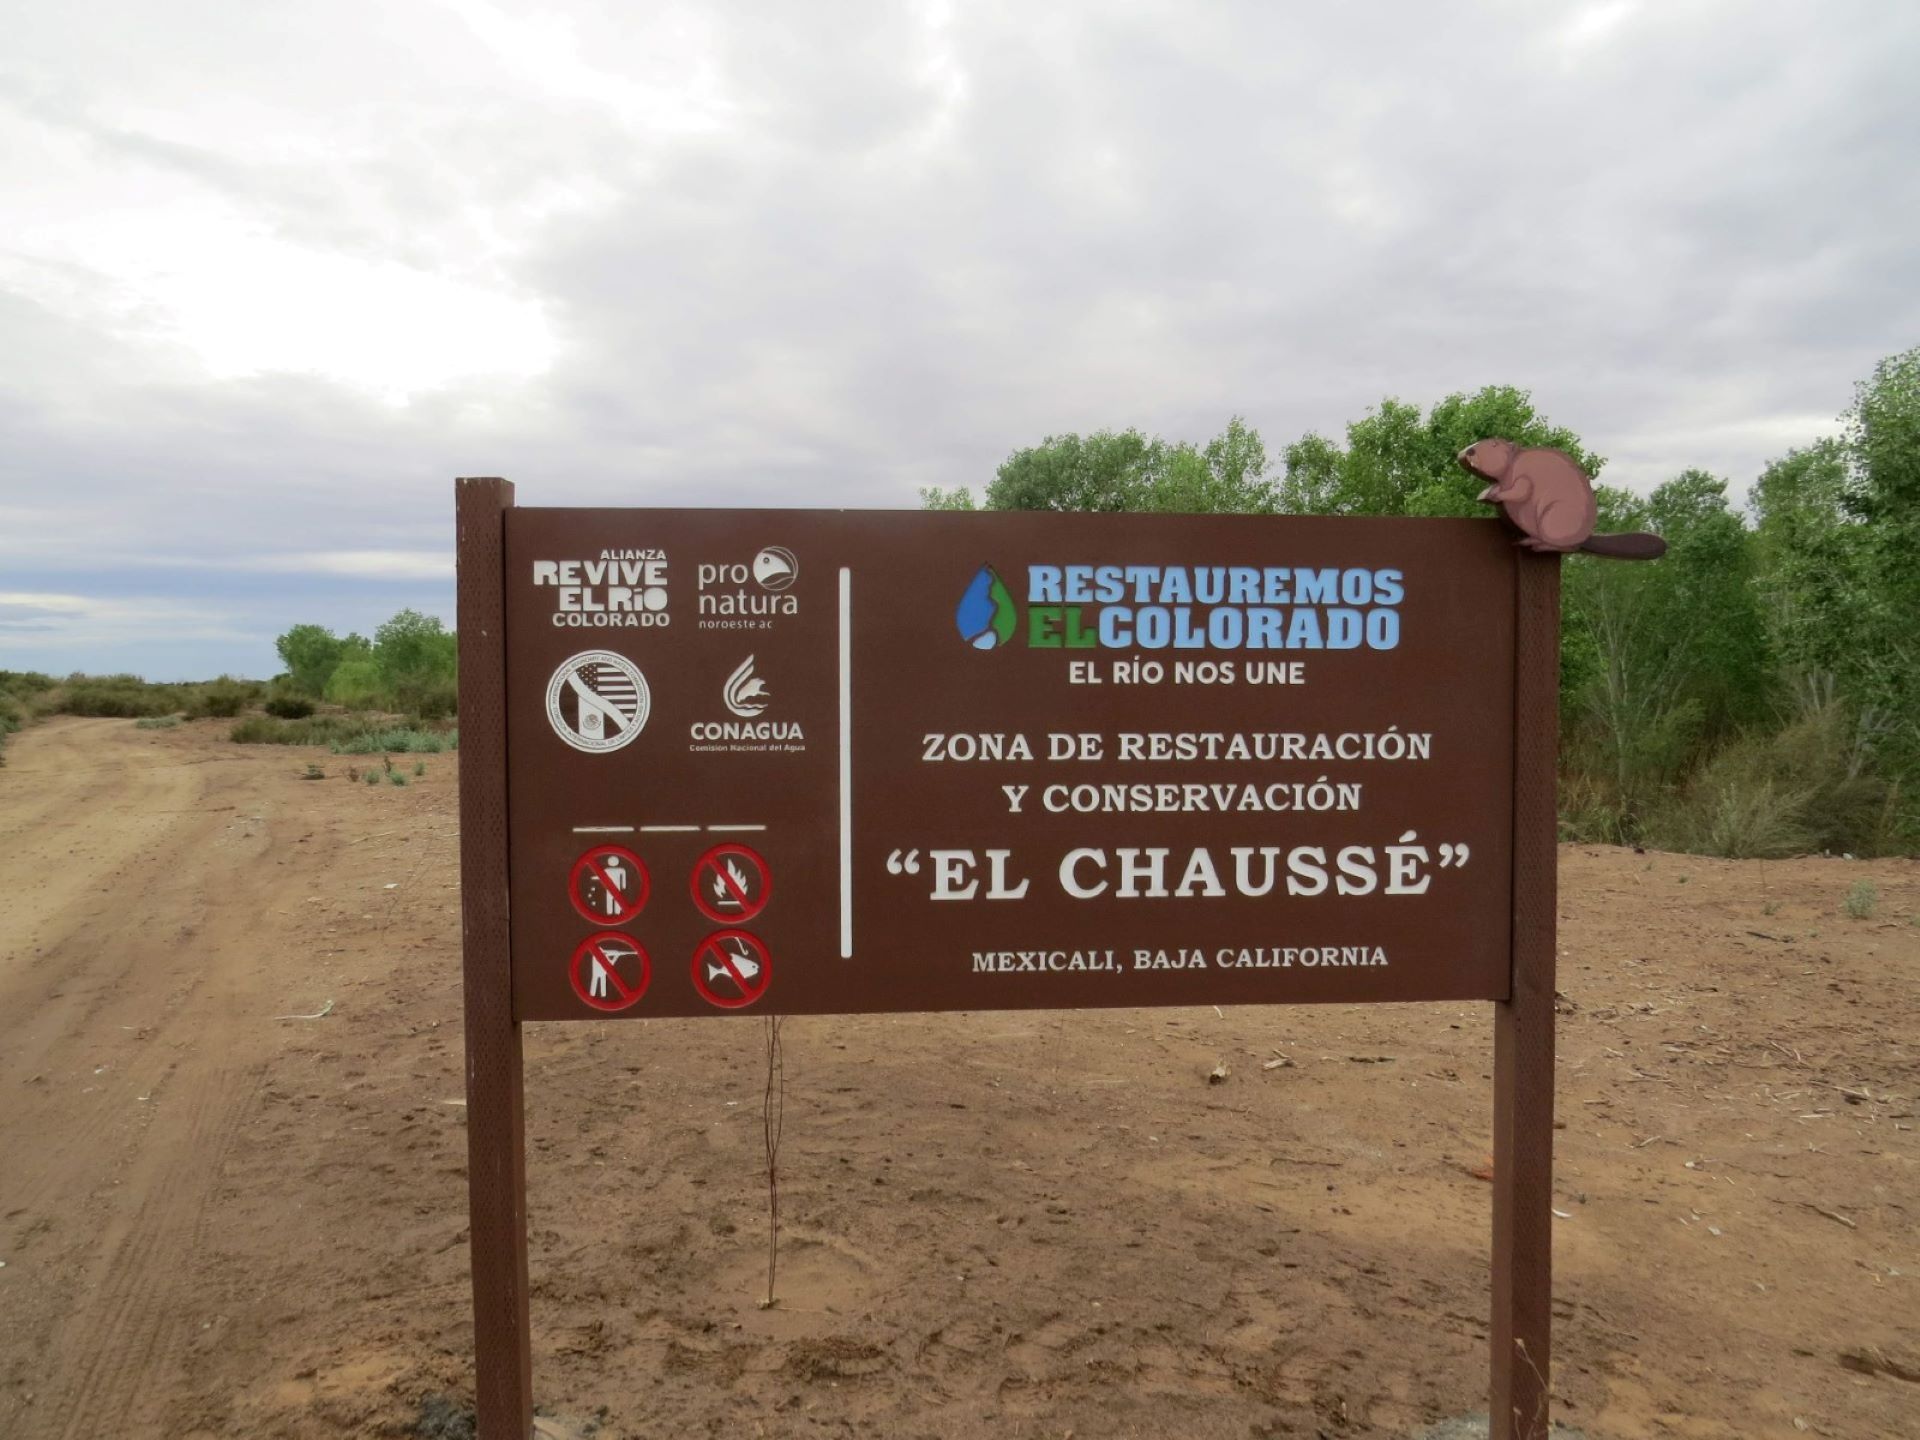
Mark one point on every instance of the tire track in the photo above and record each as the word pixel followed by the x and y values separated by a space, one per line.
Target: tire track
pixel 145 1327
pixel 131 1024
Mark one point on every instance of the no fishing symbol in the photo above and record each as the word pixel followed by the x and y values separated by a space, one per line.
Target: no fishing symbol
pixel 610 971
pixel 731 883
pixel 730 969
pixel 608 885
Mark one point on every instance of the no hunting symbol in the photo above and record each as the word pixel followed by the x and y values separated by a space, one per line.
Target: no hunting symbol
pixel 597 974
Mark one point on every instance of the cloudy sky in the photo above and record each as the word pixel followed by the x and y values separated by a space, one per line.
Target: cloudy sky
pixel 272 273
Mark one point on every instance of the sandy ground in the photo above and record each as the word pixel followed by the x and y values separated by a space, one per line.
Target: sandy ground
pixel 219 1222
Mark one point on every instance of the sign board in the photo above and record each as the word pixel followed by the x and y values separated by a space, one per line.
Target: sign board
pixel 753 763
pixel 1009 761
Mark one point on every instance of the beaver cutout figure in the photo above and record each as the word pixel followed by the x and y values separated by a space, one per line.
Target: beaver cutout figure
pixel 1547 497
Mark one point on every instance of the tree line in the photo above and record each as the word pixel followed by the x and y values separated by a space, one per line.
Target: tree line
pixel 1756 692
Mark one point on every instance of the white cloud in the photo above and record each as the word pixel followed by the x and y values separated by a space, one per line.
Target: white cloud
pixel 271 276
pixel 57 624
pixel 368 564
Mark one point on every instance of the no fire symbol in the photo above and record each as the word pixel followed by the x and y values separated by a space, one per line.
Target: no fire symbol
pixel 731 883
pixel 610 971
pixel 608 885
pixel 730 969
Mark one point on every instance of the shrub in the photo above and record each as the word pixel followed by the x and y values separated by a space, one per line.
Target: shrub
pixel 1803 788
pixel 398 777
pixel 289 707
pixel 420 769
pixel 1861 900
pixel 347 734
pixel 314 772
pixel 25 682
pixel 434 698
pixel 372 777
pixel 119 697
pixel 12 717
pixel 156 722
pixel 223 698
pixel 398 741
pixel 355 683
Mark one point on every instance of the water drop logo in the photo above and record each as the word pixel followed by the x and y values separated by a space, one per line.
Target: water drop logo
pixel 986 615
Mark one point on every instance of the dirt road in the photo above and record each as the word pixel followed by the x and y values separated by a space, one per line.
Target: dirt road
pixel 219 1222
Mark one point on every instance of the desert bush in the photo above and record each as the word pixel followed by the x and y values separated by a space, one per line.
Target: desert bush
pixel 1742 817
pixel 429 698
pixel 1590 813
pixel 121 697
pixel 397 777
pixel 156 722
pixel 356 683
pixel 12 717
pixel 268 730
pixel 223 699
pixel 314 772
pixel 284 706
pixel 372 777
pixel 310 730
pixel 398 741
pixel 1862 900
pixel 1806 787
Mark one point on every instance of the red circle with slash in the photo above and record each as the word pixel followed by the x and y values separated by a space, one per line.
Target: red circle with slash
pixel 721 892
pixel 629 897
pixel 597 959
pixel 715 962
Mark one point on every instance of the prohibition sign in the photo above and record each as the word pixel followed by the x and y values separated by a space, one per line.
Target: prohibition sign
pixel 609 885
pixel 731 883
pixel 717 961
pixel 595 971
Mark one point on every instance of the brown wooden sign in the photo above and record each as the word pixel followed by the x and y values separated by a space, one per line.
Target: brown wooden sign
pixel 844 762
pixel 726 763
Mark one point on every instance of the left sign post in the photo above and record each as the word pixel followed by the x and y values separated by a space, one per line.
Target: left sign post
pixel 496 1110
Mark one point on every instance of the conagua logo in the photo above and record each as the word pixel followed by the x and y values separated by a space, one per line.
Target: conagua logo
pixel 747 697
pixel 598 701
pixel 746 693
pixel 986 616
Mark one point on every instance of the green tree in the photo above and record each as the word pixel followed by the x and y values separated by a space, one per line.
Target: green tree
pixel 1883 493
pixel 1114 471
pixel 413 647
pixel 356 683
pixel 417 656
pixel 310 652
pixel 1667 659
pixel 1398 462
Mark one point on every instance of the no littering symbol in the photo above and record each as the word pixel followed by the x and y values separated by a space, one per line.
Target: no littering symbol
pixel 731 884
pixel 608 885
pixel 730 969
pixel 610 971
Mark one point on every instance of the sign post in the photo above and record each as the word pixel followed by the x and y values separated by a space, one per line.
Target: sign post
pixel 1523 1027
pixel 1012 761
pixel 496 1114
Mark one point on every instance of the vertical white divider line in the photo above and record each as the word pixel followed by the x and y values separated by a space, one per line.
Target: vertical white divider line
pixel 846 763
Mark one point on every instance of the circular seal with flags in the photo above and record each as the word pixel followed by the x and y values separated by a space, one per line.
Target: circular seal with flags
pixel 598 701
